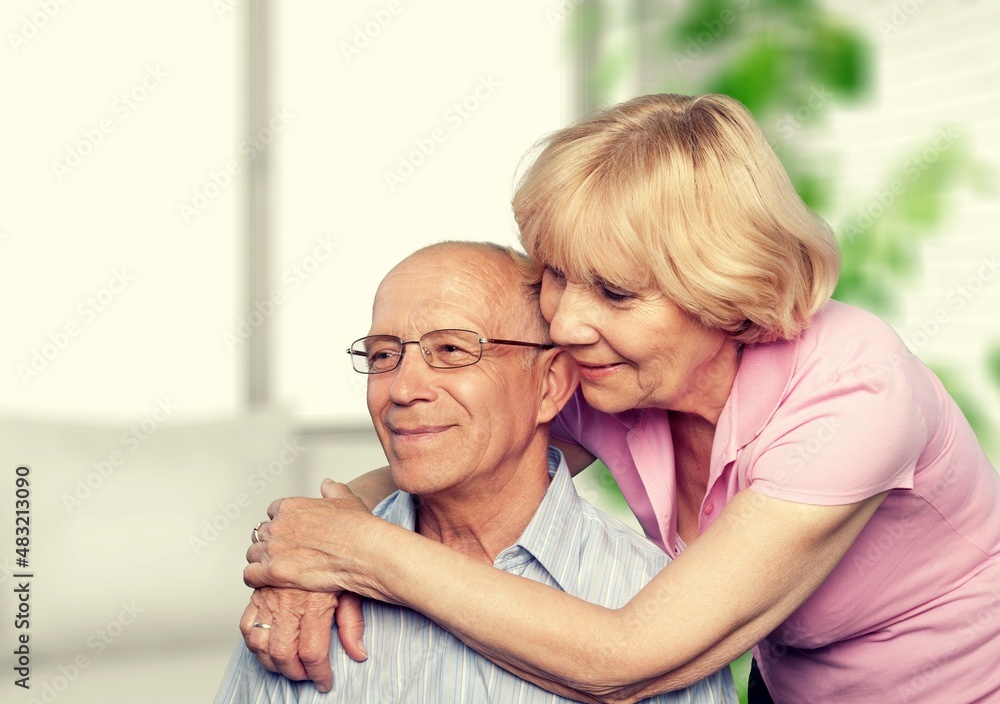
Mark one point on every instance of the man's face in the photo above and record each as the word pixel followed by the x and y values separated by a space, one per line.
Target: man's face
pixel 452 430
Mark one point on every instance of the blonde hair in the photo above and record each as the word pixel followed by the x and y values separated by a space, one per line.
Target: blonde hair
pixel 685 196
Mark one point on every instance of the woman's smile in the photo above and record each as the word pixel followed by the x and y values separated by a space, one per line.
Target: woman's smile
pixel 598 372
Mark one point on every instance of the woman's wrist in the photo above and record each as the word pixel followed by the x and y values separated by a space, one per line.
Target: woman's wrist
pixel 373 486
pixel 365 559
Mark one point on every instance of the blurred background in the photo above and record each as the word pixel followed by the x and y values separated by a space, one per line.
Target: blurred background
pixel 200 198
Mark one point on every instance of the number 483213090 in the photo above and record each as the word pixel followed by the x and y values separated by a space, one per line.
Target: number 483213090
pixel 22 521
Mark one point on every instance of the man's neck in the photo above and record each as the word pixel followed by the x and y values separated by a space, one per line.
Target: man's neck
pixel 480 522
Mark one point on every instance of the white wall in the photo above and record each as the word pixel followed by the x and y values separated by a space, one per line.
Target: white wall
pixel 114 112
pixel 412 138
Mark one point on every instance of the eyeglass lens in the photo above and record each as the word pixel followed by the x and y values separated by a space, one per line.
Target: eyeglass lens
pixel 443 349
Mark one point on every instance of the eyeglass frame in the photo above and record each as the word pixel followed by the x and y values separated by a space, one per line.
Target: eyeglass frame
pixel 403 343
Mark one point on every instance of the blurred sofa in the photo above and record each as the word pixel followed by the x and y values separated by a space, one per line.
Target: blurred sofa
pixel 138 534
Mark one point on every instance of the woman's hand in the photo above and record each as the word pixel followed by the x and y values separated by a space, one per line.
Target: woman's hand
pixel 311 544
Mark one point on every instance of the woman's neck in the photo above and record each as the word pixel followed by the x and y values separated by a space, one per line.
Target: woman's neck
pixel 712 384
pixel 692 438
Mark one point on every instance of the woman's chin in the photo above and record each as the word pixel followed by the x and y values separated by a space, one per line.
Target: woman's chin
pixel 606 398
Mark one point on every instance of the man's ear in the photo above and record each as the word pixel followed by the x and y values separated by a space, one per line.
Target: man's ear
pixel 559 381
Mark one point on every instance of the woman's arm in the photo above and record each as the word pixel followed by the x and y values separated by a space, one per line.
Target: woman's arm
pixel 298 643
pixel 578 458
pixel 372 487
pixel 753 567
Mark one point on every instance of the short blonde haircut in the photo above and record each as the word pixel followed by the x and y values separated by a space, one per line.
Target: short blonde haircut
pixel 685 196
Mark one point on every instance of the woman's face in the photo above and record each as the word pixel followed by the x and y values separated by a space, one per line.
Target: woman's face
pixel 637 349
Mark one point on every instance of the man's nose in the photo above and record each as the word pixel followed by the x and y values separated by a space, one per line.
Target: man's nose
pixel 411 377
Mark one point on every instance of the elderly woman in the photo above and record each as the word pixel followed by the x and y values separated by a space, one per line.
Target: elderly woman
pixel 825 500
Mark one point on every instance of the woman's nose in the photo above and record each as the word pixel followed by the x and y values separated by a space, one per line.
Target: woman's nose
pixel 571 317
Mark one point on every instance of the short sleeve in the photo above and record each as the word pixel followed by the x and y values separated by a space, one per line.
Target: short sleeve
pixel 842 436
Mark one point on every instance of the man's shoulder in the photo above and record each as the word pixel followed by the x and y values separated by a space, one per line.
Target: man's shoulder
pixel 605 533
pixel 596 531
pixel 602 523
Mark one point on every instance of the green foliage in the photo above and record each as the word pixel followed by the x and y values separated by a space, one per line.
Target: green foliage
pixel 587 24
pixel 812 188
pixel 585 28
pixel 955 383
pixel 754 78
pixel 615 64
pixel 839 58
pixel 741 674
pixel 695 17
pixel 880 238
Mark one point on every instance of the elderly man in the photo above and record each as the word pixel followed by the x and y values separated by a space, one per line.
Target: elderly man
pixel 461 390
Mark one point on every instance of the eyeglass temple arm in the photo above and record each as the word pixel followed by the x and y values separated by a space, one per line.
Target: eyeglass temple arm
pixel 483 340
pixel 518 342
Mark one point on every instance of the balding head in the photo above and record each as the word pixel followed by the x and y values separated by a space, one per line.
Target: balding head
pixel 486 280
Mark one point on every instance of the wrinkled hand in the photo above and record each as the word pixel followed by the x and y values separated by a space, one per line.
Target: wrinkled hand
pixel 298 643
pixel 310 544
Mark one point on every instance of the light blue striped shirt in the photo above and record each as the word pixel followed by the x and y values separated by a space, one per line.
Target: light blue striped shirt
pixel 568 544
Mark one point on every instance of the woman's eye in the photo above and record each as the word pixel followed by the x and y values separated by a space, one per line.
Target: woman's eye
pixel 614 294
pixel 555 273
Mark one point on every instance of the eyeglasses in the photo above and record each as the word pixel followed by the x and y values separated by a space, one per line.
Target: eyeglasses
pixel 442 349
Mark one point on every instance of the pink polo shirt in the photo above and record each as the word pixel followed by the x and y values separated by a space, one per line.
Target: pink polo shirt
pixel 845 411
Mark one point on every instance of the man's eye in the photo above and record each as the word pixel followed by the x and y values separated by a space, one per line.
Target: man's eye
pixel 382 356
pixel 451 350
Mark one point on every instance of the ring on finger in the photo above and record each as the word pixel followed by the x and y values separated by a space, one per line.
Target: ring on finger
pixel 256 538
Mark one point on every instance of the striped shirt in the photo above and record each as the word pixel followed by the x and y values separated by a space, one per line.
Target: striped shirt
pixel 568 544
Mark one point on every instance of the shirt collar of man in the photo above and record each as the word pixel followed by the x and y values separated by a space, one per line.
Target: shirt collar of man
pixel 551 536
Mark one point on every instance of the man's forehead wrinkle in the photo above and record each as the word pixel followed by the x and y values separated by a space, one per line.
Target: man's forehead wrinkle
pixel 502 298
pixel 481 294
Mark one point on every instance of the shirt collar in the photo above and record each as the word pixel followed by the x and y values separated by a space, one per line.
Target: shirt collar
pixel 399 508
pixel 761 382
pixel 551 537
